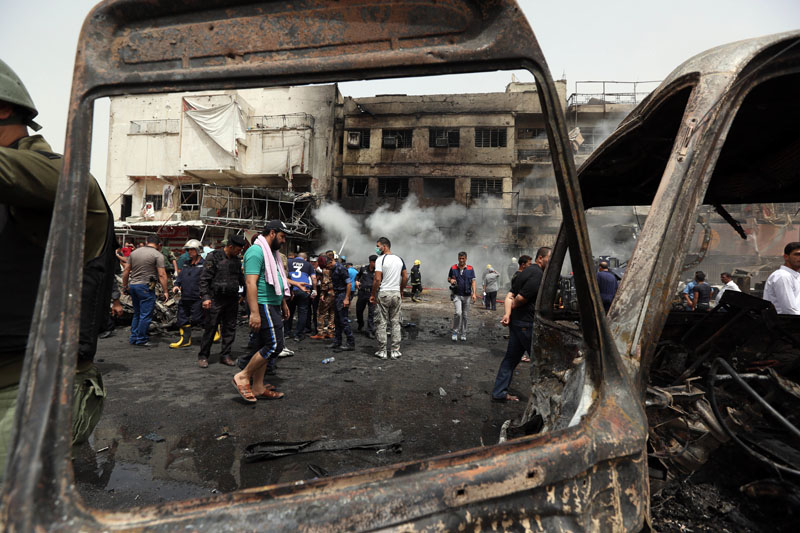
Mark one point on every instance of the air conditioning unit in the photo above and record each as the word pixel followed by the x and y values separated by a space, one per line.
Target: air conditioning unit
pixel 441 141
pixel 390 141
pixel 354 139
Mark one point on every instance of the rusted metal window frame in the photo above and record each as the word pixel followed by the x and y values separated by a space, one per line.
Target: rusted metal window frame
pixel 140 47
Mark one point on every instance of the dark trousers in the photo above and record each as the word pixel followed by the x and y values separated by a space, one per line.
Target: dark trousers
pixel 190 312
pixel 416 290
pixel 342 321
pixel 520 335
pixel 144 301
pixel 490 300
pixel 299 306
pixel 361 304
pixel 223 311
pixel 311 322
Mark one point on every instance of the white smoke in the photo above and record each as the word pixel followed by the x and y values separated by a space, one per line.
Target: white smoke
pixel 434 235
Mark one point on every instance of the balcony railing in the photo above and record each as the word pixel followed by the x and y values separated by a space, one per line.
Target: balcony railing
pixel 294 121
pixel 533 156
pixel 154 127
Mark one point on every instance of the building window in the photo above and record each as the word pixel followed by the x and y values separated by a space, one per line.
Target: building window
pixel 357 186
pixel 190 197
pixel 483 187
pixel 443 138
pixel 439 187
pixel 357 139
pixel 490 137
pixel 393 187
pixel 396 139
pixel 155 199
pixel 531 133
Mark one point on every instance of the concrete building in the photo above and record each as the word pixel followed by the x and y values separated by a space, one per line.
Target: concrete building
pixel 227 159
pixel 487 151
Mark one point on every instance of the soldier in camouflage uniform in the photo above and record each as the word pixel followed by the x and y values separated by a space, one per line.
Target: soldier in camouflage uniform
pixel 325 320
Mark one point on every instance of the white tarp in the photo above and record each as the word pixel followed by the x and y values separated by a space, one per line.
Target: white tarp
pixel 224 124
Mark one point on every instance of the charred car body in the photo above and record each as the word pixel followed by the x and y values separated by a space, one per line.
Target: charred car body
pixel 588 470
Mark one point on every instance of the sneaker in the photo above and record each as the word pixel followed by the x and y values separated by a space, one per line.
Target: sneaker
pixel 454 337
pixel 381 354
pixel 463 338
pixel 286 353
pixel 396 354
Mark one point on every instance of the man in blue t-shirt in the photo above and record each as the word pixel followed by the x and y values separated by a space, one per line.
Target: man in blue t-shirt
pixel 462 289
pixel 303 280
pixel 266 288
pixel 608 283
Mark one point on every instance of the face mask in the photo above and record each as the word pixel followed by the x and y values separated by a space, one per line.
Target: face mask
pixel 378 251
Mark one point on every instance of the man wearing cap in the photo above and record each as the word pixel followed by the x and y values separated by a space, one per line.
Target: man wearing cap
pixel 190 310
pixel 415 278
pixel 29 175
pixel 364 280
pixel 267 285
pixel 219 291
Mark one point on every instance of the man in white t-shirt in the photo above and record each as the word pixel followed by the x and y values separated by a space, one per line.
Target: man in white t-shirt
pixel 727 285
pixel 783 286
pixel 391 277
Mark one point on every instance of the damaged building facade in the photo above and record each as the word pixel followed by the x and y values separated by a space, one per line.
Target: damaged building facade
pixel 487 151
pixel 202 164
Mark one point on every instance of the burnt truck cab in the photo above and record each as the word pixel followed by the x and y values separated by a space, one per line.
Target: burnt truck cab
pixel 588 469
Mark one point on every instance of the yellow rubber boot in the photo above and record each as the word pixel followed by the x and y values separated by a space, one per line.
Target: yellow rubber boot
pixel 218 334
pixel 186 338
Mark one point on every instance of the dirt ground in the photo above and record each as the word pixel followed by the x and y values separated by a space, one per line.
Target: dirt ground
pixel 172 431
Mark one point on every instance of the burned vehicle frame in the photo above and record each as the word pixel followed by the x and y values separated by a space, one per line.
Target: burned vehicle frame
pixel 588 472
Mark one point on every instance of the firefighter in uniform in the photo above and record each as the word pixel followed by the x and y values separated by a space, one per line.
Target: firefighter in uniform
pixel 416 281
pixel 325 320
pixel 219 289
pixel 29 173
pixel 190 310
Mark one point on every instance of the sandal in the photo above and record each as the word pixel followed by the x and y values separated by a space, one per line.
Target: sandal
pixel 271 394
pixel 508 398
pixel 245 392
pixel 525 359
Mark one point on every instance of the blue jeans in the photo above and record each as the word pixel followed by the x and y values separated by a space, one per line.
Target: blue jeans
pixel 144 301
pixel 520 335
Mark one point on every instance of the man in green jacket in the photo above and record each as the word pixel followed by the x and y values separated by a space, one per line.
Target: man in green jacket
pixel 29 173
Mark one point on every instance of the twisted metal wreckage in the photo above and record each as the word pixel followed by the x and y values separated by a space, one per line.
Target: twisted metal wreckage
pixel 588 469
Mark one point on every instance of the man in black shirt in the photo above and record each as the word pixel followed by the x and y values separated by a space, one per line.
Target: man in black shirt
pixel 701 293
pixel 364 280
pixel 520 304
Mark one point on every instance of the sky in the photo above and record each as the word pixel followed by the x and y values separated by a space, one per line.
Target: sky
pixel 624 40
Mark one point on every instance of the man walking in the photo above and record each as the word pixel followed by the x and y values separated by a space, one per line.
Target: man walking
pixel 219 290
pixel 608 284
pixel 342 289
pixel 520 305
pixel 783 286
pixel 462 288
pixel 364 281
pixel 145 266
pixel 190 307
pixel 491 279
pixel 391 277
pixel 267 285
pixel 416 281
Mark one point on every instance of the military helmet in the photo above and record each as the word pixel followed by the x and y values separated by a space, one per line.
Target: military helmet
pixel 193 243
pixel 13 91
